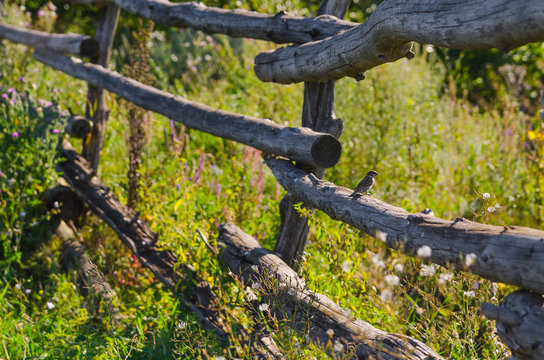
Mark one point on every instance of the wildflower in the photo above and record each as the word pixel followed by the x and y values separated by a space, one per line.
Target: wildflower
pixel 470 259
pixel 35 70
pixel 380 235
pixel 4 96
pixel 470 293
pixel 41 13
pixel 491 209
pixel 497 206
pixel 27 25
pixel 392 280
pixel 28 291
pixel 22 214
pixel 15 134
pixel 55 91
pixel 11 90
pixel 18 286
pixel 22 79
pixel 256 285
pixel 219 357
pixel 429 49
pixel 182 325
pixel 486 196
pixel 330 332
pixel 399 267
pixel 424 251
pixel 346 266
pixel 264 307
pixel 55 131
pixel 444 278
pixel 428 270
pixel 377 261
pixel 50 305
pixel 386 295
pixel 56 204
pixel 338 346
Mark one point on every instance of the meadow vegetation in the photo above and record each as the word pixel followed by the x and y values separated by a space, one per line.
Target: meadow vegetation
pixel 431 148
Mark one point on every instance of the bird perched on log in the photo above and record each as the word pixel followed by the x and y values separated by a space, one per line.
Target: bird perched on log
pixel 365 184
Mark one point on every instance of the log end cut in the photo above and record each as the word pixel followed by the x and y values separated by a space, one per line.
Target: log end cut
pixel 326 151
pixel 89 47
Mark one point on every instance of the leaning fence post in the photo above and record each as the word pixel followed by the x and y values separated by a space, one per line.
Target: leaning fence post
pixel 317 114
pixel 96 101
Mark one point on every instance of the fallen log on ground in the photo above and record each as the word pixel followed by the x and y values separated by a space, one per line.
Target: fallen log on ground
pixel 141 240
pixel 65 43
pixel 520 323
pixel 312 314
pixel 279 28
pixel 90 279
pixel 386 35
pixel 300 144
pixel 509 254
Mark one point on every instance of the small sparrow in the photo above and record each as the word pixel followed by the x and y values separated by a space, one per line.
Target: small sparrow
pixel 428 211
pixel 365 184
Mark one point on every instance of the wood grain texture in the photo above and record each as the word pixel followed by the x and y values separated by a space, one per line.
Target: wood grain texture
pixel 300 144
pixel 278 28
pixel 386 36
pixel 310 313
pixel 509 254
pixel 520 323
pixel 64 43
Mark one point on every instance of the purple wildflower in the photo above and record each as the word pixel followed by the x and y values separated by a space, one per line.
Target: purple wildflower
pixel 218 190
pixel 4 96
pixel 15 134
pixel 41 13
pixel 27 25
pixel 11 90
pixel 55 131
pixel 22 79
pixel 55 91
pixel 35 70
pixel 198 172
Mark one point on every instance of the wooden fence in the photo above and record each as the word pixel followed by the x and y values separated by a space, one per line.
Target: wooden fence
pixel 327 49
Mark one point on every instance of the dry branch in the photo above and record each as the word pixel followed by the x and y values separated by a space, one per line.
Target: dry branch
pixel 300 144
pixel 65 43
pixel 508 254
pixel 310 313
pixel 141 240
pixel 279 28
pixel 386 35
pixel 520 323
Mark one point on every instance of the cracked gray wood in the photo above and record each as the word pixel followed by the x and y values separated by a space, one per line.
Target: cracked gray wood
pixel 308 312
pixel 386 35
pixel 279 28
pixel 520 323
pixel 509 254
pixel 300 144
pixel 317 114
pixel 65 43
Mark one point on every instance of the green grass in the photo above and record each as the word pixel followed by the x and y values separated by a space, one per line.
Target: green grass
pixel 431 150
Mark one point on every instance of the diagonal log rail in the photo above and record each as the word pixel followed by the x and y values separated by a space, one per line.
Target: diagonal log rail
pixel 65 43
pixel 509 254
pixel 279 28
pixel 386 35
pixel 141 240
pixel 300 144
pixel 308 312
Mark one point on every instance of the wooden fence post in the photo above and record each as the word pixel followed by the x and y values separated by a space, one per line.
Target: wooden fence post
pixel 96 100
pixel 317 114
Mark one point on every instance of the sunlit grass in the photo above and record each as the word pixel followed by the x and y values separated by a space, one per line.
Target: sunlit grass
pixel 432 151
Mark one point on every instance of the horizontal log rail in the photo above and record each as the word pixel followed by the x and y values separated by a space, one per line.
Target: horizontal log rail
pixel 508 254
pixel 141 240
pixel 65 43
pixel 310 313
pixel 279 28
pixel 386 35
pixel 300 144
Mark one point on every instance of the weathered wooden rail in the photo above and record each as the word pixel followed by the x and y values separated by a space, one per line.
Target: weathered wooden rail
pixel 329 48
